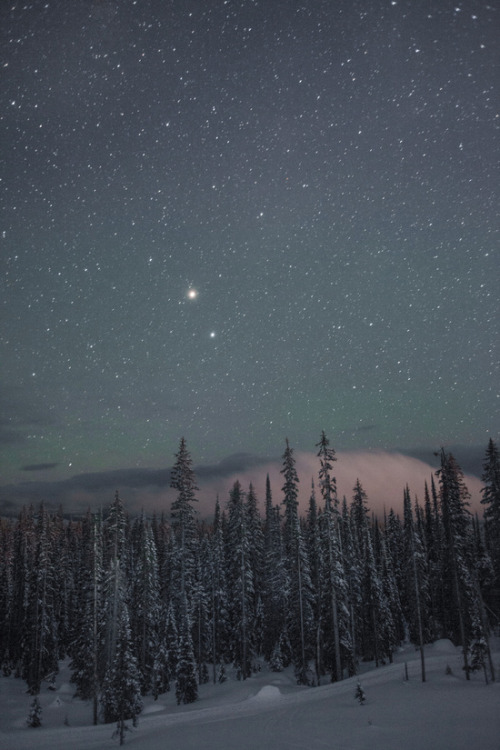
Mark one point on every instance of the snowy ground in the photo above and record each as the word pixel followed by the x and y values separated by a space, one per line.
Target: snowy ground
pixel 269 710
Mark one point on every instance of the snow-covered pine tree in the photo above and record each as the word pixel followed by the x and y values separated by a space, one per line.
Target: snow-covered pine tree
pixel 335 610
pixel 121 689
pixel 240 582
pixel 41 656
pixel 64 567
pixel 183 480
pixel 20 616
pixel 359 517
pixel 416 583
pixel 6 593
pixel 432 538
pixel 353 576
pixel 491 500
pixel 465 620
pixel 254 522
pixel 146 609
pixel 116 557
pixel 275 583
pixel 299 612
pixel 86 646
pixel 394 546
pixel 186 685
pixel 162 536
pixel 200 609
pixel 374 608
pixel 171 640
pixel 34 719
pixel 115 533
pixel 334 578
pixel 392 623
pixel 218 601
pixel 313 542
pixel 359 694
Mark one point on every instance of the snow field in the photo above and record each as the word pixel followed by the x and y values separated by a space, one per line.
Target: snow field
pixel 269 710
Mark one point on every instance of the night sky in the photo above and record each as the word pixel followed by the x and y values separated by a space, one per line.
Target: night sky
pixel 240 221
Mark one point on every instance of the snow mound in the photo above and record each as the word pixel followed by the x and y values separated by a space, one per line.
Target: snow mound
pixel 444 646
pixel 267 693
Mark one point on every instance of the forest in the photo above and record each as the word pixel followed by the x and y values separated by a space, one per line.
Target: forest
pixel 146 605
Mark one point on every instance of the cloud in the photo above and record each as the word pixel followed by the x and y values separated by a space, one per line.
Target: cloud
pixel 469 457
pixel 233 464
pixel 38 467
pixel 383 475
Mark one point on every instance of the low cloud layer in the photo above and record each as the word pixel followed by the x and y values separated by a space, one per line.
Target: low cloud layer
pixel 383 476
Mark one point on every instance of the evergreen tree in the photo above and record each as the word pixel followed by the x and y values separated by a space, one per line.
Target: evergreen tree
pixel 359 694
pixel 465 622
pixel 20 617
pixel 433 546
pixel 162 538
pixel 300 623
pixel 313 543
pixel 375 631
pixel 115 532
pixel 86 646
pixel 394 547
pixel 392 624
pixel 41 656
pixel 183 480
pixel 491 500
pixel 359 516
pixel 218 599
pixel 335 585
pixel 377 640
pixel 146 610
pixel 6 594
pixel 121 689
pixel 34 719
pixel 64 576
pixel 416 583
pixel 256 535
pixel 186 686
pixel 275 584
pixel 171 639
pixel 335 617
pixel 240 582
pixel 353 576
pixel 114 586
pixel 200 610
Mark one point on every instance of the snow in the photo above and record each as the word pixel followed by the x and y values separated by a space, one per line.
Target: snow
pixel 268 693
pixel 270 710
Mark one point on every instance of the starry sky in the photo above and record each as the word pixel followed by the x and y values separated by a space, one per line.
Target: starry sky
pixel 241 220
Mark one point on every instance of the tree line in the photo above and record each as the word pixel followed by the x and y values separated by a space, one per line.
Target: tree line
pixel 145 605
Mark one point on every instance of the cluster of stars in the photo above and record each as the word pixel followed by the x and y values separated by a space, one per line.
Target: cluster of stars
pixel 236 222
